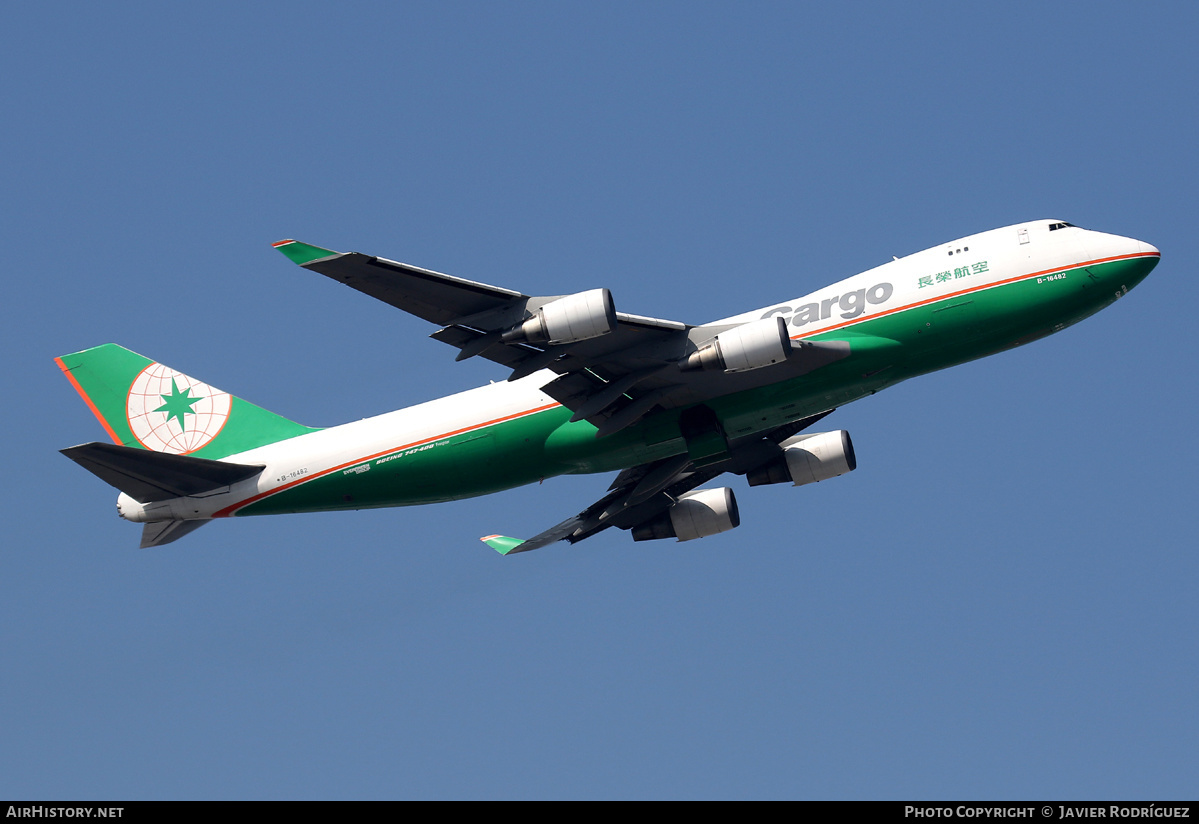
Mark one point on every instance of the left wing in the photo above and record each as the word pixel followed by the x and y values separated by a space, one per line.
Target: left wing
pixel 642 494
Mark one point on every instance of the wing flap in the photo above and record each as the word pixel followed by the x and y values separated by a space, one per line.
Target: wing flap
pixel 484 344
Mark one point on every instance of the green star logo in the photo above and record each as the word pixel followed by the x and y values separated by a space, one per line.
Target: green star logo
pixel 177 404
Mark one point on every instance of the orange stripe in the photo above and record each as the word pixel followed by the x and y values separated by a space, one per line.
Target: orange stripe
pixel 969 291
pixel 254 498
pixel 111 433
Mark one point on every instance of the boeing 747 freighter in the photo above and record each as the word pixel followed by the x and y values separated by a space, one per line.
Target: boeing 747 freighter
pixel 669 406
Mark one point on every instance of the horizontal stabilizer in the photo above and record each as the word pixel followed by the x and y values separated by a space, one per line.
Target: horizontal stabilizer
pixel 157 476
pixel 164 532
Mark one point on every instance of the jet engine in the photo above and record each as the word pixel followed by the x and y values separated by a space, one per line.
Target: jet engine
pixel 696 514
pixel 570 319
pixel 749 346
pixel 807 459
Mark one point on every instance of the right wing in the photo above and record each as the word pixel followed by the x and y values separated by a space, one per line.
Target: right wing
pixel 613 368
pixel 610 379
pixel 437 298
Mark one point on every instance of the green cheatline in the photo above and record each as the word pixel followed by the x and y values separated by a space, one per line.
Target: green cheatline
pixel 177 404
pixel 502 543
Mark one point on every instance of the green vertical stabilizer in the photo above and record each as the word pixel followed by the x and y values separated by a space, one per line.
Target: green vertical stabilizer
pixel 144 404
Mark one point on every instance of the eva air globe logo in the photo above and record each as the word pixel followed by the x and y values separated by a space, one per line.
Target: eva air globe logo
pixel 170 412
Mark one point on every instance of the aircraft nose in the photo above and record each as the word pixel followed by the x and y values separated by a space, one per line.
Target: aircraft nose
pixel 1118 262
pixel 1103 246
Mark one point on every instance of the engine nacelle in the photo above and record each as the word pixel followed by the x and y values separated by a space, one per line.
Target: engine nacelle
pixel 750 346
pixel 696 514
pixel 807 459
pixel 568 320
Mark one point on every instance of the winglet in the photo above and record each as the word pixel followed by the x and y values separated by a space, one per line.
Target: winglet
pixel 502 543
pixel 302 253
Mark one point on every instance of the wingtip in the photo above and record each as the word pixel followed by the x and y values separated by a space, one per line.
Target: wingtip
pixel 502 543
pixel 302 253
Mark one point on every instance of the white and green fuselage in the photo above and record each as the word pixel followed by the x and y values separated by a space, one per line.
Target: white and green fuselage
pixel 924 312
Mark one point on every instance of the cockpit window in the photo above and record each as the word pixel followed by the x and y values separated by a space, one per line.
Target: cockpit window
pixel 1054 226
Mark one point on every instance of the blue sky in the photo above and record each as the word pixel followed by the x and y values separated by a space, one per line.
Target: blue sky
pixel 999 603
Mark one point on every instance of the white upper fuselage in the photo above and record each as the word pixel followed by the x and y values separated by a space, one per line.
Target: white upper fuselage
pixel 1009 252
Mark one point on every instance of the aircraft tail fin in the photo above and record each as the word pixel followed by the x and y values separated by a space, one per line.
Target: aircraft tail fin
pixel 146 405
